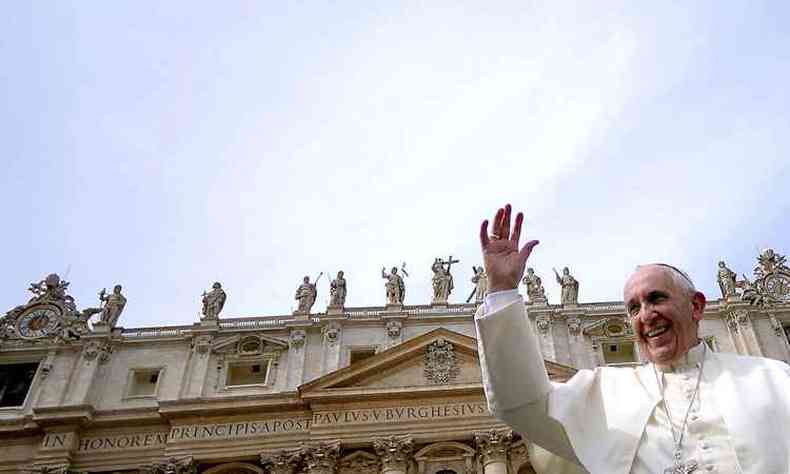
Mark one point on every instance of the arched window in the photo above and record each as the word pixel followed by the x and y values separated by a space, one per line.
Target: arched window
pixel 446 471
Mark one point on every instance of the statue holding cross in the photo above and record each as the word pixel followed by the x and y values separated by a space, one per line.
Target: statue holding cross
pixel 442 279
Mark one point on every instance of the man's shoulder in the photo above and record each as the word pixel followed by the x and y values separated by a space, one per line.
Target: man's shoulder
pixel 748 362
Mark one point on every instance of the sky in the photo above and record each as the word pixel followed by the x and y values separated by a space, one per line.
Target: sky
pixel 168 145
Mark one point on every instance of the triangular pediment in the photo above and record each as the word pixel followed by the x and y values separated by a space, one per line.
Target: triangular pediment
pixel 438 361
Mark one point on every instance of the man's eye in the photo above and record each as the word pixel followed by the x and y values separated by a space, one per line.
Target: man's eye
pixel 633 311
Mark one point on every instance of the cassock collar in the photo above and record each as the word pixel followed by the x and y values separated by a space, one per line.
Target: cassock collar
pixel 688 362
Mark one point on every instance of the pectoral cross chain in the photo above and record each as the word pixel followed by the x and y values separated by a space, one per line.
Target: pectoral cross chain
pixel 681 467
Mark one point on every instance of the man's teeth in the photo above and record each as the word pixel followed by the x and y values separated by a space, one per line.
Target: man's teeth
pixel 657 331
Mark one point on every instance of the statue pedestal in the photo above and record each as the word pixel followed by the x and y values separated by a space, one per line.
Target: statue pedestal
pixel 393 308
pixel 334 310
pixel 209 323
pixel 301 315
pixel 438 304
pixel 100 327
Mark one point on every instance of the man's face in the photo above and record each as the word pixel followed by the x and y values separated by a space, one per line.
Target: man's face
pixel 664 316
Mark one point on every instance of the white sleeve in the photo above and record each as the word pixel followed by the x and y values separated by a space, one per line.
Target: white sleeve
pixel 498 300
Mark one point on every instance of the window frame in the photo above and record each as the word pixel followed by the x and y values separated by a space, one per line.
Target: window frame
pixel 160 370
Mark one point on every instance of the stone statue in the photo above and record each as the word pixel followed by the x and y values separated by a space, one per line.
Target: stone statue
pixel 570 287
pixel 306 294
pixel 113 305
pixel 535 291
pixel 337 291
pixel 213 302
pixel 396 288
pixel 480 279
pixel 442 279
pixel 727 280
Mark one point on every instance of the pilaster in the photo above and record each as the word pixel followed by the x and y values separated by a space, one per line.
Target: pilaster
pixel 96 351
pixel 198 366
pixel 330 339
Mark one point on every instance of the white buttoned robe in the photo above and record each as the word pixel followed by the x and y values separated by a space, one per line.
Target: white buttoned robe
pixel 599 417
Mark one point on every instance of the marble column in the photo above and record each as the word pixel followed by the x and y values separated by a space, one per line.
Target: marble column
pixel 493 448
pixel 394 453
pixel 321 458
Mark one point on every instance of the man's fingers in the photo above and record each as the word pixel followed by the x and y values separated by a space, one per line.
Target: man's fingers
pixel 496 225
pixel 484 235
pixel 517 229
pixel 506 223
pixel 527 249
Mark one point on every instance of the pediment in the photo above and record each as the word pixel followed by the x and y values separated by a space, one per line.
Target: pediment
pixel 250 344
pixel 438 361
pixel 614 327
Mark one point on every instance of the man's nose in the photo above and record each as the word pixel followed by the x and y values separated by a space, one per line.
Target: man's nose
pixel 646 313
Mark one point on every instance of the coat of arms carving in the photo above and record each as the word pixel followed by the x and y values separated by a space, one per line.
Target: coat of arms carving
pixel 441 365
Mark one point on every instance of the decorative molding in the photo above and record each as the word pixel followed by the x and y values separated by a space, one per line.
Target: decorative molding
pixel 297 338
pixel 321 457
pixel 97 349
pixel 543 322
pixel 394 452
pixel 202 344
pixel 331 333
pixel 493 445
pixel 776 325
pixel 394 328
pixel 441 365
pixel 185 465
pixel 574 326
pixel 281 462
pixel 360 462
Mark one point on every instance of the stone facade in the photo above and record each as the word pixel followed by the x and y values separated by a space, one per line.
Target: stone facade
pixel 280 394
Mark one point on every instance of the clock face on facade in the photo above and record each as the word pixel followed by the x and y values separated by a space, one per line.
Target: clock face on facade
pixel 38 321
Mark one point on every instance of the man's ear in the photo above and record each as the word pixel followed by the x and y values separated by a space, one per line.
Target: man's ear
pixel 698 306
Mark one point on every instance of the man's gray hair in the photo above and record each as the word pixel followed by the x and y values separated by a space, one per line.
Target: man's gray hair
pixel 678 276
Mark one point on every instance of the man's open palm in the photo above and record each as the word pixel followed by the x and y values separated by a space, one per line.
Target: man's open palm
pixel 503 261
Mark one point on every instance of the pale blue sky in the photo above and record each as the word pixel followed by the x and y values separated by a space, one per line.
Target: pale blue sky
pixel 165 145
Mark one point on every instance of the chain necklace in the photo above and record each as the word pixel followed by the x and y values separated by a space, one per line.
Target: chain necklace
pixel 680 466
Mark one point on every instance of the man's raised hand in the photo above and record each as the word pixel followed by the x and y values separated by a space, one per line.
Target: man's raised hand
pixel 503 260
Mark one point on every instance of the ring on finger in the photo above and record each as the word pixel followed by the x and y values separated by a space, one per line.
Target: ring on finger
pixel 495 236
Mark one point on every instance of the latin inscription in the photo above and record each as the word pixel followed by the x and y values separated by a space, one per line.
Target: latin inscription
pixel 126 441
pixel 242 429
pixel 261 428
pixel 399 414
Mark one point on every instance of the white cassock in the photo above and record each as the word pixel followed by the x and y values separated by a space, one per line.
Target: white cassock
pixel 610 420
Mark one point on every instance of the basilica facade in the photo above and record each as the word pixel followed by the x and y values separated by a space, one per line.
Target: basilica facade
pixel 393 389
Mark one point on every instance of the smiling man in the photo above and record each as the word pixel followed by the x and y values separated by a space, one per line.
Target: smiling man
pixel 686 410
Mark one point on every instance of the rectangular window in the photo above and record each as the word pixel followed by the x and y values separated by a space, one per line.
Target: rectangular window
pixel 619 353
pixel 144 382
pixel 15 381
pixel 247 373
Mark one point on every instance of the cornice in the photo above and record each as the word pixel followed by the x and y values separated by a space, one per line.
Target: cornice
pixel 242 404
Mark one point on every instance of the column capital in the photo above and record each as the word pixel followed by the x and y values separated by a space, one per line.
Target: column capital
pixel 185 465
pixel 321 457
pixel 281 462
pixel 493 445
pixel 394 452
